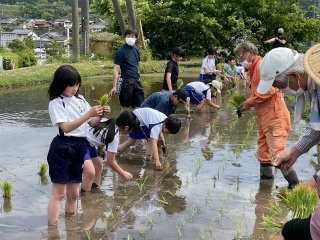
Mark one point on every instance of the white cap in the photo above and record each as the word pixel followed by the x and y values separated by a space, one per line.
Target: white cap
pixel 273 64
pixel 217 85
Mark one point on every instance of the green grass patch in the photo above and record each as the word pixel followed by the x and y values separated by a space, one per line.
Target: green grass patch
pixel 87 68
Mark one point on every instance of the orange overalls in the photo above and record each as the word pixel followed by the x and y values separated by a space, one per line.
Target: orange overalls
pixel 273 117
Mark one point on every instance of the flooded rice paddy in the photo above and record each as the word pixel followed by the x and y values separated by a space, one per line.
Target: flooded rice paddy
pixel 209 189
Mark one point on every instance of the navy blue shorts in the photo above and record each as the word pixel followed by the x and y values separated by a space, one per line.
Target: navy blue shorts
pixel 195 98
pixel 91 152
pixel 65 159
pixel 131 93
pixel 142 132
pixel 206 78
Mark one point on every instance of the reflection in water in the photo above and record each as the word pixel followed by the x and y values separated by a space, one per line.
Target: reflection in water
pixel 223 201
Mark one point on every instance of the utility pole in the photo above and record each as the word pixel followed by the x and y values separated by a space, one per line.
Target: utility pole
pixel 75 31
pixel 85 29
pixel 68 25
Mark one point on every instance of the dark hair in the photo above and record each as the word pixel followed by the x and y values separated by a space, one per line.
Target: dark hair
pixel 229 58
pixel 173 124
pixel 64 76
pixel 210 51
pixel 108 130
pixel 130 31
pixel 177 51
pixel 127 118
pixel 223 53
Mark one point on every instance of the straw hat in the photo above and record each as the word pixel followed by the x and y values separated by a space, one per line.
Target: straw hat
pixel 312 62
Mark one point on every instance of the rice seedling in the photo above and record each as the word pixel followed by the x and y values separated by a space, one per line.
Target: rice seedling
pixel 163 200
pixel 88 234
pixel 199 163
pixel 237 183
pixel 182 220
pixel 150 220
pixel 141 229
pixel 43 168
pixel 221 209
pixel 302 201
pixel 104 100
pixel 202 235
pixel 208 195
pixel 141 183
pixel 195 209
pixel 170 193
pixel 129 237
pixel 176 185
pixel 180 231
pixel 271 224
pixel 210 230
pixel 6 187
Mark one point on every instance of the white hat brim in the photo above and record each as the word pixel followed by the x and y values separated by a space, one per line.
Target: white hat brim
pixel 264 86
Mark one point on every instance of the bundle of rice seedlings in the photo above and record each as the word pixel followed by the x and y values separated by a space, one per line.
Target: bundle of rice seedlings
pixel 43 168
pixel 104 100
pixel 302 201
pixel 7 187
pixel 236 100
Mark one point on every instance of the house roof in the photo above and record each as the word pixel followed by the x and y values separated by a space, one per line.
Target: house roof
pixel 51 35
pixel 22 31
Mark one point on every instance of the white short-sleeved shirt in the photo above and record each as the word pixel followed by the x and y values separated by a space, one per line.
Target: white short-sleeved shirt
pixel 67 109
pixel 207 63
pixel 149 116
pixel 240 70
pixel 96 140
pixel 201 88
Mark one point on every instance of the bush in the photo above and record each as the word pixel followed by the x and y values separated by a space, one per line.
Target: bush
pixel 115 43
pixel 145 54
pixel 27 59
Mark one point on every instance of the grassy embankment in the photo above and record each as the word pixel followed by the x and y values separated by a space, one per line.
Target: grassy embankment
pixel 43 73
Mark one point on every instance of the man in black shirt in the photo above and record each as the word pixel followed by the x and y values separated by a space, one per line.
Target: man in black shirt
pixel 128 86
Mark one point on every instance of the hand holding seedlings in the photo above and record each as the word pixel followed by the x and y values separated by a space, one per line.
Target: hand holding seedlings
pixel 103 101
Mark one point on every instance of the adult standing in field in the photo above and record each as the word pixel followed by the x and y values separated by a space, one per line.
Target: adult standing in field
pixel 171 73
pixel 128 86
pixel 279 40
pixel 273 117
pixel 287 69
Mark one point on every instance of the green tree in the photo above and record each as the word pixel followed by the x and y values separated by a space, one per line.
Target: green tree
pixel 28 41
pixel 196 25
pixel 17 46
pixel 55 50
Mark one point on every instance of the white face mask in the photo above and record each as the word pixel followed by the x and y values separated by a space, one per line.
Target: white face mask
pixel 245 63
pixel 130 41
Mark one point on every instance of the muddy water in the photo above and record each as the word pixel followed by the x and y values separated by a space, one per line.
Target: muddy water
pixel 210 187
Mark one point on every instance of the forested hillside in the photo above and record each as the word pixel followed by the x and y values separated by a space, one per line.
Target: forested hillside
pixel 47 9
pixel 13 2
